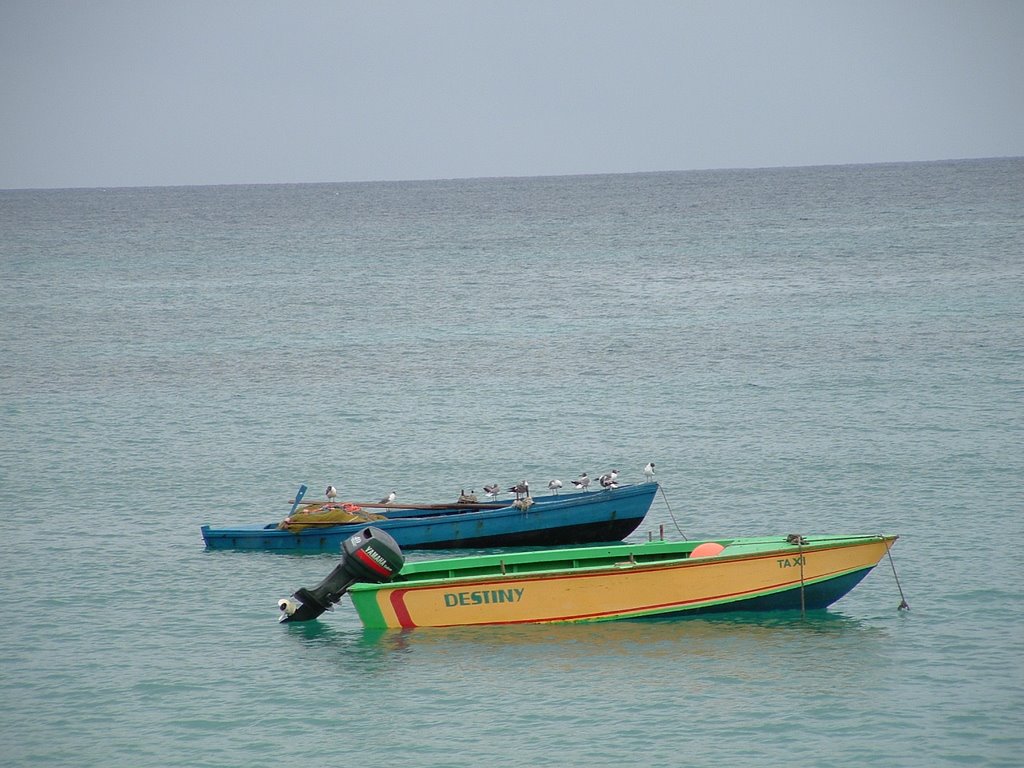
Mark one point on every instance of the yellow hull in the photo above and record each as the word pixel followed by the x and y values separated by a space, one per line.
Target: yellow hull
pixel 747 573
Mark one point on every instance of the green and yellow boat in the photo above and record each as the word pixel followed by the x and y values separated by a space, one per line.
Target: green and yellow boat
pixel 597 583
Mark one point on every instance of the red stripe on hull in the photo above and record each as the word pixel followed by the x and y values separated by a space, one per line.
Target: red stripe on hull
pixel 401 612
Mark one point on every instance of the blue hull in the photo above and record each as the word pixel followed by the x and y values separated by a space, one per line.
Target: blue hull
pixel 574 518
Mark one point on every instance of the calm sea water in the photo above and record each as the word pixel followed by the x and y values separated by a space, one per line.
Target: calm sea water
pixel 817 350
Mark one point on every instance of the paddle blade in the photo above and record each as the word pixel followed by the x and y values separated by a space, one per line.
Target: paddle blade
pixel 298 498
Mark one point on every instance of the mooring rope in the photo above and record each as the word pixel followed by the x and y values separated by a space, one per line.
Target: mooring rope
pixel 796 538
pixel 665 498
pixel 903 606
pixel 803 600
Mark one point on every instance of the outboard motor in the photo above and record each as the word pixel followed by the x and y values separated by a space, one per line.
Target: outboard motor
pixel 370 555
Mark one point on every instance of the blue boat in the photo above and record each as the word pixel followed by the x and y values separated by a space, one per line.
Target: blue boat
pixel 606 515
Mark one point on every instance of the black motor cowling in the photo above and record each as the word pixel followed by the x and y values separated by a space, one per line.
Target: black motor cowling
pixel 370 555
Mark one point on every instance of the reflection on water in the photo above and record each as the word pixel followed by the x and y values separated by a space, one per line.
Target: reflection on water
pixel 337 650
pixel 651 636
pixel 766 649
pixel 739 638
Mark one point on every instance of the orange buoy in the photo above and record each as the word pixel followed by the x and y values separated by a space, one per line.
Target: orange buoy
pixel 707 549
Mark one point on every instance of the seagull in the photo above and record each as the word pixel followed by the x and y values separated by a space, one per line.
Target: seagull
pixel 649 471
pixel 491 491
pixel 609 480
pixel 554 485
pixel 388 499
pixel 331 493
pixel 520 490
pixel 582 481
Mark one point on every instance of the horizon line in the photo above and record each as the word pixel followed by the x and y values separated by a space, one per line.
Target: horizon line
pixel 414 180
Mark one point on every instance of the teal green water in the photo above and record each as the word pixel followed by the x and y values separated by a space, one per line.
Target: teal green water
pixel 820 350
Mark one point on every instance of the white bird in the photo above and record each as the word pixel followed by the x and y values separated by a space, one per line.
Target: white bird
pixel 554 485
pixel 520 490
pixel 609 480
pixel 582 481
pixel 490 491
pixel 649 471
pixel 388 499
pixel 331 493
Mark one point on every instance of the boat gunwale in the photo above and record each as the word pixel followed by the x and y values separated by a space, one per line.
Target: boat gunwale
pixel 565 501
pixel 574 570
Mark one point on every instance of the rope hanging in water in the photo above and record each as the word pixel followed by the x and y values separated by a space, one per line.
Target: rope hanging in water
pixel 665 498
pixel 903 606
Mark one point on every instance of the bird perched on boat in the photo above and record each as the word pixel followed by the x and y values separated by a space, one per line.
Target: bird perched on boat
pixel 554 486
pixel 388 499
pixel 649 470
pixel 582 482
pixel 491 491
pixel 331 493
pixel 610 479
pixel 520 490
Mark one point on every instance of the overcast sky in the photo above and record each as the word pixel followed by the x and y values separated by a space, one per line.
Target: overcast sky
pixel 168 93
